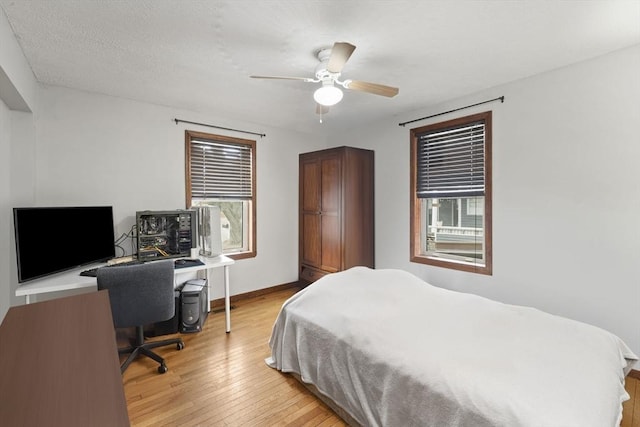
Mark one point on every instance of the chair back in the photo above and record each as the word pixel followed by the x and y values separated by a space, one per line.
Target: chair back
pixel 139 294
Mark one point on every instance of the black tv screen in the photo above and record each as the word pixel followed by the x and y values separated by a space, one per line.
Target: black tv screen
pixel 54 239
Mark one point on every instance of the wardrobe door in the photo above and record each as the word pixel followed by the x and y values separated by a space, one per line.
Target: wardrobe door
pixel 310 226
pixel 330 214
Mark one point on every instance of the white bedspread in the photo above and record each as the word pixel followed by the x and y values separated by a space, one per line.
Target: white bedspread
pixel 392 350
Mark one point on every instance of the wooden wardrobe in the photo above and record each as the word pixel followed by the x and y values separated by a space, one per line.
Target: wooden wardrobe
pixel 336 211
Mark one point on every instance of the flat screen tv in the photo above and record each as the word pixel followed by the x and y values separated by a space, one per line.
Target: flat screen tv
pixel 53 239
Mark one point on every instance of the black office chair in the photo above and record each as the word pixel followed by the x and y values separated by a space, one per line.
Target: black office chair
pixel 140 295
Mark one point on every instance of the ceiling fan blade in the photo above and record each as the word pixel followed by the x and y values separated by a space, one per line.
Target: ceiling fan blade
pixel 374 88
pixel 304 79
pixel 340 54
pixel 321 109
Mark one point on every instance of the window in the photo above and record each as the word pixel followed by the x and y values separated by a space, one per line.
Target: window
pixel 451 194
pixel 220 171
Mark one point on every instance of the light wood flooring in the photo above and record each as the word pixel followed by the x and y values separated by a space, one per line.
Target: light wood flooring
pixel 631 408
pixel 221 379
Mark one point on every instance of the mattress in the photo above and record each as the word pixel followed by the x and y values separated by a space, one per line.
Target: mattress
pixel 393 350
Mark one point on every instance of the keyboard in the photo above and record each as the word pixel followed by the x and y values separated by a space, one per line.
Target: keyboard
pixel 93 272
pixel 179 263
pixel 186 262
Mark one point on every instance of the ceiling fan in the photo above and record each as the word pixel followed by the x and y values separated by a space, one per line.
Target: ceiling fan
pixel 328 71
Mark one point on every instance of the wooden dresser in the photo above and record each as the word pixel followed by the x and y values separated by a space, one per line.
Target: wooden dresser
pixel 336 214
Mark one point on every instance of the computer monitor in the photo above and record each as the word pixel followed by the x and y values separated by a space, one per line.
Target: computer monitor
pixel 54 239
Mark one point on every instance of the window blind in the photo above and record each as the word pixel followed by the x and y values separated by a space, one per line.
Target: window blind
pixel 451 162
pixel 220 170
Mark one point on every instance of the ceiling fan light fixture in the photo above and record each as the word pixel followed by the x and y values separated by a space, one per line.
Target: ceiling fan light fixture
pixel 328 95
pixel 328 71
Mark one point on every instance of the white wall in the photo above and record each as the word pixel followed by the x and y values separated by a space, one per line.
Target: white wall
pixel 17 83
pixel 17 101
pixel 21 173
pixel 566 193
pixel 5 217
pixel 99 150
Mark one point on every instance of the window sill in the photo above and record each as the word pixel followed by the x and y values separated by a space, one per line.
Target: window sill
pixel 452 264
pixel 240 255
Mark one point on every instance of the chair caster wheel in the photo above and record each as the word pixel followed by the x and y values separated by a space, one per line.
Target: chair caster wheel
pixel 180 346
pixel 162 368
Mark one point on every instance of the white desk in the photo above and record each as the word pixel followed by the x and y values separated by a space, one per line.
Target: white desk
pixel 71 279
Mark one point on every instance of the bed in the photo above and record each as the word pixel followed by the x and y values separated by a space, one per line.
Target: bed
pixel 385 348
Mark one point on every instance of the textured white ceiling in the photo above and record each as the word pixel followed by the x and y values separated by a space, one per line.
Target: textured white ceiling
pixel 197 55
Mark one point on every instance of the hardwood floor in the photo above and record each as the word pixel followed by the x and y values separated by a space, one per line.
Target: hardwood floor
pixel 631 408
pixel 221 379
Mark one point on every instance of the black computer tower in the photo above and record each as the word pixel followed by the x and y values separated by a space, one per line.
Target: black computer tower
pixel 166 234
pixel 194 302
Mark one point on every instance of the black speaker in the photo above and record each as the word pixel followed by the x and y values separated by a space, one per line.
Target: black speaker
pixel 193 305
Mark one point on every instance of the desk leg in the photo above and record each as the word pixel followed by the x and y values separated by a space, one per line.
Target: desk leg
pixel 206 276
pixel 27 300
pixel 227 305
